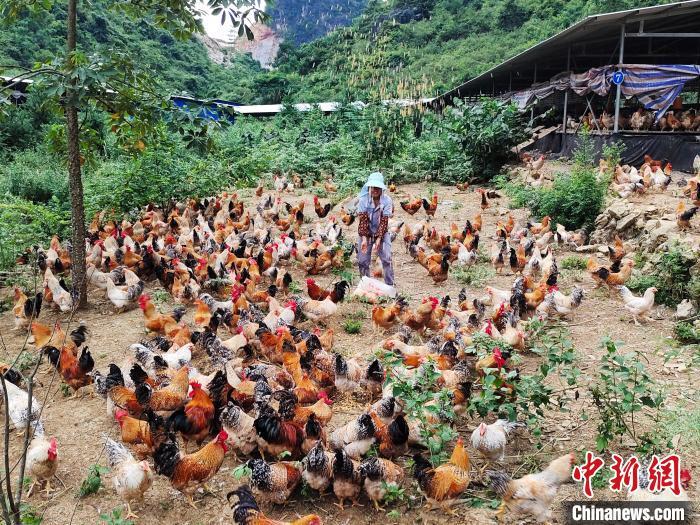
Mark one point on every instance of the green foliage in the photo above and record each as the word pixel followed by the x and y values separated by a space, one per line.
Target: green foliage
pixel 686 333
pixel 573 262
pixel 671 276
pixel 352 326
pixel 422 401
pixel 473 275
pixel 65 390
pixel 393 493
pixel 115 518
pixel 29 515
pixel 627 400
pixel 92 483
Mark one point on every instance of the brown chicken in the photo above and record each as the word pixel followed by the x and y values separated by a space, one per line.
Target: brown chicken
pixel 532 494
pixel 321 211
pixel 166 399
pixel 273 482
pixel 194 420
pixel 24 309
pixel 684 215
pixel 445 483
pixel 419 319
pixel 202 315
pixel 617 251
pixel 247 512
pixel 156 322
pixel 380 475
pixel 275 435
pixel 386 317
pixel 392 438
pixel 187 471
pixel 135 432
pixel 462 186
pixel 319 294
pixel 73 370
pixel 411 207
pixel 430 207
pixel 484 201
pixel 604 275
pixel 347 218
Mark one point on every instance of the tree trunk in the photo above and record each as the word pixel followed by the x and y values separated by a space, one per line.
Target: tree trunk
pixel 75 180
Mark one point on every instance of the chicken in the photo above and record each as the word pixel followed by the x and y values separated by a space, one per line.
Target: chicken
pixel 380 475
pixel 273 482
pixel 321 211
pixel 445 483
pixel 348 373
pixel 135 432
pixel 430 207
pixel 74 371
pixel 638 306
pixel 439 270
pixel 411 207
pixel 419 319
pixel 602 274
pixel 347 479
pixel 356 437
pixel 156 322
pixel 42 459
pixel 532 494
pixel 247 512
pixel 121 296
pixel 684 215
pixel 166 399
pixel 239 426
pixel 462 186
pixel 386 317
pixel 336 295
pixel 392 438
pixel 317 310
pixel 276 435
pixel 490 440
pixel 60 296
pixel 194 420
pixel 499 253
pixel 347 218
pixel 131 478
pixel 484 201
pixel 556 303
pixel 24 309
pixel 318 468
pixel 644 494
pixel 187 471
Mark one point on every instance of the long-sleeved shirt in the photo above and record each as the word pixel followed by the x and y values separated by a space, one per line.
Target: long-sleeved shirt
pixel 374 219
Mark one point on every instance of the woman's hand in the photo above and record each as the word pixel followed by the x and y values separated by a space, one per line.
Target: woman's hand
pixel 363 245
pixel 377 245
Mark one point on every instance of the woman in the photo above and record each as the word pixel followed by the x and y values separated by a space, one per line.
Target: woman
pixel 373 211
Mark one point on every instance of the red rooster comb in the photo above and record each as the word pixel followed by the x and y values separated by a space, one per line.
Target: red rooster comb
pixel 143 301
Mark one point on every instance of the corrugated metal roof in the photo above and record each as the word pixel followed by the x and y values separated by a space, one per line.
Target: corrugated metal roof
pixel 572 34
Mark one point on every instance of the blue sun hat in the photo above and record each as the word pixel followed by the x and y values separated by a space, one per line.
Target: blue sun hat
pixel 375 180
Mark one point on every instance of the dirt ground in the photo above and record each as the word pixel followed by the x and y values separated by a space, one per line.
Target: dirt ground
pixel 79 423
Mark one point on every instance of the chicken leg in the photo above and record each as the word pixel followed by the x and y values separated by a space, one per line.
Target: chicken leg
pixel 130 513
pixel 501 512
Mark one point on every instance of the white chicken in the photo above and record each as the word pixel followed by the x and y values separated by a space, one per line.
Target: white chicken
pixel 317 310
pixel 491 440
pixel 121 296
pixel 61 297
pixel 465 257
pixel 556 303
pixel 131 478
pixel 42 459
pixel 638 306
pixel 18 403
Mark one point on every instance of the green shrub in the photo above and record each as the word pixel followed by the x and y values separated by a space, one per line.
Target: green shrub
pixel 671 276
pixel 573 263
pixel 686 333
pixel 352 326
pixel 35 175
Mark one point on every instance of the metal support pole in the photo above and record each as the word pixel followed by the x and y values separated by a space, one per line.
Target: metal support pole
pixel 566 93
pixel 532 109
pixel 619 86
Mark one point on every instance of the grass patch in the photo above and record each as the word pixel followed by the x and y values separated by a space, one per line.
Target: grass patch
pixel 572 262
pixel 352 326
pixel 473 275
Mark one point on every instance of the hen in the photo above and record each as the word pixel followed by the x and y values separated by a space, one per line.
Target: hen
pixel 379 476
pixel 239 426
pixel 385 317
pixel 347 479
pixel 638 306
pixel 444 483
pixel 273 482
pixel 491 439
pixel 355 438
pixel 24 309
pixel 247 512
pixel 532 494
pixel 131 478
pixel 318 468
pixel 187 471
pixel 411 207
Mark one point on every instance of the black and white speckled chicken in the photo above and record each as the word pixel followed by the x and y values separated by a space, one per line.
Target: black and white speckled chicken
pixel 347 479
pixel 318 467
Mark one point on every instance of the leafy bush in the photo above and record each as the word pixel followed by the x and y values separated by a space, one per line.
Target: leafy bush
pixel 92 483
pixel 573 263
pixel 627 400
pixel 686 333
pixel 35 175
pixel 352 326
pixel 671 276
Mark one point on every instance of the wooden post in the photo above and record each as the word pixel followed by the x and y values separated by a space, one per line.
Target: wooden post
pixel 619 86
pixel 566 94
pixel 532 109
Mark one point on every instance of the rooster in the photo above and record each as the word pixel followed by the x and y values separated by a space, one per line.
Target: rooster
pixel 445 483
pixel 156 322
pixel 379 476
pixel 194 420
pixel 319 294
pixel 239 426
pixel 42 459
pixel 347 218
pixel 532 494
pixel 430 207
pixel 74 371
pixel 684 215
pixel 247 512
pixel 273 482
pixel 321 211
pixel 392 438
pixel 187 471
pixel 275 435
pixel 318 310
pixel 131 478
